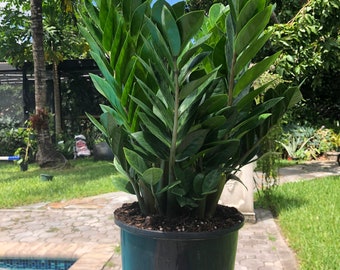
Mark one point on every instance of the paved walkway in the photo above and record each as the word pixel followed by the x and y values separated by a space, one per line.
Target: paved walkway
pixel 84 229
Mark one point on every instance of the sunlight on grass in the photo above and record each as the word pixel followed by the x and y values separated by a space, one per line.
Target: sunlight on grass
pixel 84 178
pixel 309 216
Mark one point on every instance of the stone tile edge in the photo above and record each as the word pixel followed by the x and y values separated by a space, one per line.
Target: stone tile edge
pixel 88 255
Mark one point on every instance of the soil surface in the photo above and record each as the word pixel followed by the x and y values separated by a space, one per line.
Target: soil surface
pixel 224 218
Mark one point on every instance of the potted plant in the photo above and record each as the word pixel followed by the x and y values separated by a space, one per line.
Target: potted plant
pixel 182 118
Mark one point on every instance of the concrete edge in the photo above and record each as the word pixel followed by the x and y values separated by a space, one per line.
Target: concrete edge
pixel 88 255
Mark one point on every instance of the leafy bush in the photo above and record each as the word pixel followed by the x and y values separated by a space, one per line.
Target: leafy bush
pixel 306 142
pixel 310 56
pixel 10 139
pixel 15 141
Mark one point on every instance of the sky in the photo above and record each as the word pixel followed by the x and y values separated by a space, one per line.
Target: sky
pixel 172 1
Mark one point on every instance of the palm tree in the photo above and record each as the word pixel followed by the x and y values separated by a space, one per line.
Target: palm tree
pixel 47 156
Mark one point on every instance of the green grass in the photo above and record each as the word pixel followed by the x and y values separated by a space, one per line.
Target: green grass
pixel 309 215
pixel 84 178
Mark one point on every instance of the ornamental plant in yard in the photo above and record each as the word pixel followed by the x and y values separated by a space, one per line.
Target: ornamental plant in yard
pixel 183 116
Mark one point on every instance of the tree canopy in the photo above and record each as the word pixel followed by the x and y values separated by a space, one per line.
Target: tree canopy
pixel 307 32
pixel 61 36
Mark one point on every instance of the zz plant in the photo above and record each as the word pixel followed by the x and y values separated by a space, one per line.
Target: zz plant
pixel 183 116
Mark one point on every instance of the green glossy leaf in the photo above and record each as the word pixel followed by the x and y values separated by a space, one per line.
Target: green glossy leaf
pixel 252 29
pixel 97 124
pixel 123 59
pixel 91 12
pixel 104 10
pixel 122 183
pixel 229 44
pixel 135 161
pixel 211 181
pixel 129 7
pixel 189 24
pixel 171 32
pixel 118 118
pixel 156 128
pixel 107 90
pixel 129 86
pixel 168 187
pixel 248 100
pixel 154 54
pixel 214 122
pixel 119 167
pixel 178 191
pixel 117 42
pixel 250 124
pixel 105 69
pixel 158 108
pixel 188 54
pixel 152 176
pixel 253 73
pixel 178 9
pixel 138 19
pixel 107 22
pixel 191 144
pixel 194 86
pixel 266 105
pixel 213 104
pixel 196 93
pixel 152 145
pixel 92 36
pixel 250 8
pixel 219 54
pixel 197 183
pixel 250 52
pixel 292 96
pixel 157 11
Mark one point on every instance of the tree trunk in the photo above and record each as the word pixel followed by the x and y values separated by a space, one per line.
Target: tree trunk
pixel 56 92
pixel 38 55
pixel 47 156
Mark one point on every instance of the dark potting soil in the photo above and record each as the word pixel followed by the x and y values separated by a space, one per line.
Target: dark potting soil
pixel 224 218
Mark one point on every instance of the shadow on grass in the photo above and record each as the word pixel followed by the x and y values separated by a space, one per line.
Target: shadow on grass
pixel 277 201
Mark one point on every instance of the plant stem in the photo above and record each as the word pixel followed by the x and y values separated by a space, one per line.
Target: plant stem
pixel 231 81
pixel 171 208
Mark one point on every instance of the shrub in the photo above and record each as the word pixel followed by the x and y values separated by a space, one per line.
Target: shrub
pixel 10 139
pixel 306 142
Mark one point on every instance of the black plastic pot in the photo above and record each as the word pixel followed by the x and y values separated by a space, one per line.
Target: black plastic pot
pixel 23 166
pixel 154 250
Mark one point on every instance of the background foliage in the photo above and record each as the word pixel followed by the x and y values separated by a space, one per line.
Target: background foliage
pixel 307 32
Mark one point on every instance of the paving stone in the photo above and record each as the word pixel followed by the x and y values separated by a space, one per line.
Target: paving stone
pixel 79 227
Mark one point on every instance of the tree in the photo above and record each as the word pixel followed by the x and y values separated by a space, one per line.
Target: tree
pixel 61 39
pixel 15 33
pixel 310 56
pixel 55 37
pixel 203 4
pixel 46 155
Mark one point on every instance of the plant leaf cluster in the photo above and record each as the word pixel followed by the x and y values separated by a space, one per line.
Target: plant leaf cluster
pixel 183 115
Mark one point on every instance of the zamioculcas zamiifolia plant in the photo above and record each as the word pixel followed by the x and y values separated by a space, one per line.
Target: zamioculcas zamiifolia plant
pixel 183 116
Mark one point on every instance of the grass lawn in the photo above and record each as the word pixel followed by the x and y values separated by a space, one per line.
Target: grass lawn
pixel 309 215
pixel 84 178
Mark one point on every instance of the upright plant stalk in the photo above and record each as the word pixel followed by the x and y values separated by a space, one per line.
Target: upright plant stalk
pixel 231 81
pixel 171 207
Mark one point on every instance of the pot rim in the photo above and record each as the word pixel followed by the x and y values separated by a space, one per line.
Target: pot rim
pixel 179 235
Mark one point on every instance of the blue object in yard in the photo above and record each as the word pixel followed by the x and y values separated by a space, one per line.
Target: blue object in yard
pixel 9 158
